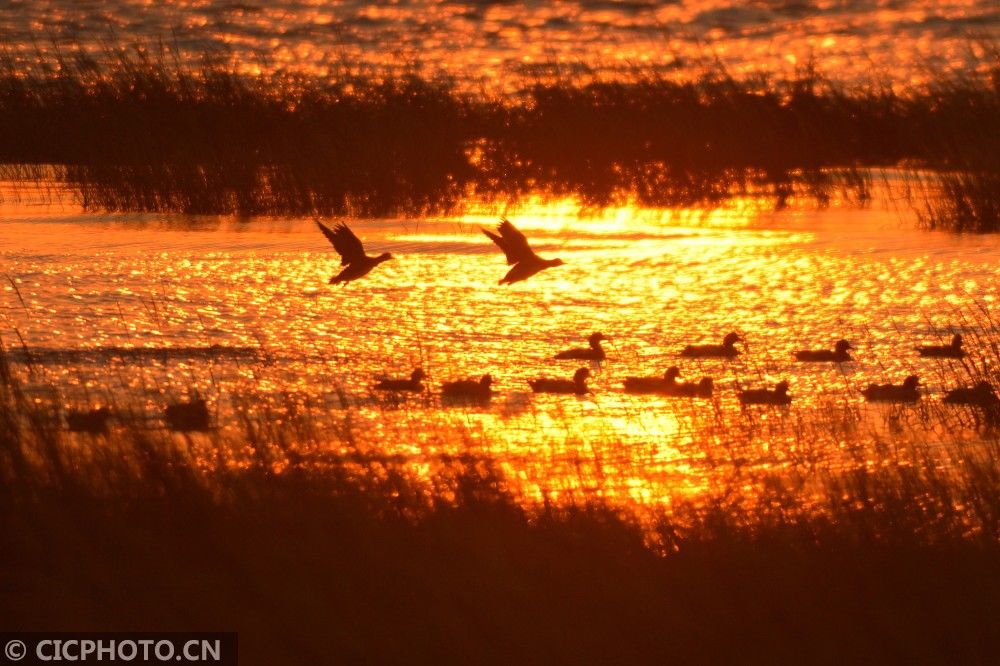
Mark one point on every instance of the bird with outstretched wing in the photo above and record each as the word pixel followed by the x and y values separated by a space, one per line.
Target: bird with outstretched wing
pixel 518 252
pixel 352 253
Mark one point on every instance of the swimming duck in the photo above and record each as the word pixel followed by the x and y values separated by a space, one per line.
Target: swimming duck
pixel 954 350
pixel 663 384
pixel 576 385
pixel 907 392
pixel 982 395
pixel 352 253
pixel 703 389
pixel 592 353
pixel 519 254
pixel 188 416
pixel 839 354
pixel 779 396
pixel 469 389
pixel 412 384
pixel 94 421
pixel 726 350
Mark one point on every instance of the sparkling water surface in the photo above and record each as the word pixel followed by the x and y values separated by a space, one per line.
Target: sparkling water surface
pixel 149 309
pixel 508 43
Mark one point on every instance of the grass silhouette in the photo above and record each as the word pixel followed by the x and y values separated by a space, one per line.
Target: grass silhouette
pixel 313 556
pixel 144 133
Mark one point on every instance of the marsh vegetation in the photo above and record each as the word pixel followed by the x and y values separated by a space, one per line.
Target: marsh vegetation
pixel 311 535
pixel 141 132
pixel 316 520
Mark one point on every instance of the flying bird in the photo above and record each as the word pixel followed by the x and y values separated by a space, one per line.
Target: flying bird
pixel 356 263
pixel 519 254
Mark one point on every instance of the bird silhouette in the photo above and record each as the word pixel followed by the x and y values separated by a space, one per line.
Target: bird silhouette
pixel 665 384
pixel 839 354
pixel 906 392
pixel 703 389
pixel 94 421
pixel 413 384
pixel 519 254
pixel 469 389
pixel 982 394
pixel 356 263
pixel 576 385
pixel 779 396
pixel 726 350
pixel 954 350
pixel 592 353
pixel 188 416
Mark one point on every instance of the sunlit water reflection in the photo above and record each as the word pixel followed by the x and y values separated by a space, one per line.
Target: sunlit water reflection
pixel 508 43
pixel 287 342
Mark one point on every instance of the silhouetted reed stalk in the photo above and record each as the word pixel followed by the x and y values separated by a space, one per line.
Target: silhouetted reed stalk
pixel 143 133
pixel 312 539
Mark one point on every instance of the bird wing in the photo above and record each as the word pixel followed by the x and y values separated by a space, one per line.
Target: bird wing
pixel 512 242
pixel 345 242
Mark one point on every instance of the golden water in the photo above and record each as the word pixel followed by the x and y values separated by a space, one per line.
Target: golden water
pixel 503 44
pixel 652 281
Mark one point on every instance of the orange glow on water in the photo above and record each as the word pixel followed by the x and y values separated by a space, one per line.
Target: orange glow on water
pixel 504 44
pixel 651 280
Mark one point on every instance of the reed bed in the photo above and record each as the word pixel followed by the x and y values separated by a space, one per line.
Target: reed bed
pixel 141 132
pixel 296 529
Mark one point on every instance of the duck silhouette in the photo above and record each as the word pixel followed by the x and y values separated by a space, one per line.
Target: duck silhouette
pixel 576 385
pixel 981 395
pixel 413 384
pixel 592 353
pixel 906 392
pixel 663 385
pixel 726 350
pixel 839 354
pixel 779 396
pixel 356 263
pixel 703 389
pixel 469 389
pixel 93 421
pixel 954 350
pixel 519 254
pixel 188 416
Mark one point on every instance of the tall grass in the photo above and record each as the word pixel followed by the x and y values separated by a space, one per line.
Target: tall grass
pixel 315 557
pixel 145 133
pixel 963 193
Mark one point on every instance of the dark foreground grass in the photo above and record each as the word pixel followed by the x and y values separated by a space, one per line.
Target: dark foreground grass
pixel 143 133
pixel 361 561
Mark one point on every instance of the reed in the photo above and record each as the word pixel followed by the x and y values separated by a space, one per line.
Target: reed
pixel 962 194
pixel 314 544
pixel 141 132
